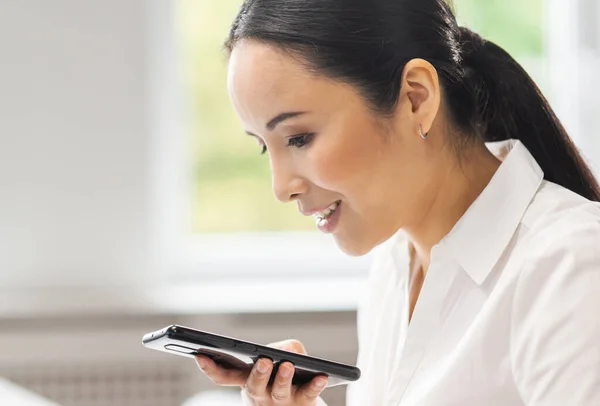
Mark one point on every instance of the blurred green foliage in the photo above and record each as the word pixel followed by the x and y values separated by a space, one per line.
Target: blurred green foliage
pixel 515 25
pixel 231 180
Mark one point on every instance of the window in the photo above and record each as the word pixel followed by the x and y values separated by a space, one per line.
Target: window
pixel 517 26
pixel 232 183
pixel 237 227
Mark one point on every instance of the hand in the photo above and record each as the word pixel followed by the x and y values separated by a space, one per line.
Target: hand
pixel 256 381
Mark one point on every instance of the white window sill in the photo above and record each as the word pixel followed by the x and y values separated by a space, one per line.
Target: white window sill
pixel 264 295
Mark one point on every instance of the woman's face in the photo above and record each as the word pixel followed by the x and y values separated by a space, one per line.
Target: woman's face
pixel 325 147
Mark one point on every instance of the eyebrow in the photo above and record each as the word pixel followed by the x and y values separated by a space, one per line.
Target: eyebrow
pixel 280 118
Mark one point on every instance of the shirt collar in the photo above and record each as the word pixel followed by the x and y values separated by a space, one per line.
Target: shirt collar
pixel 480 237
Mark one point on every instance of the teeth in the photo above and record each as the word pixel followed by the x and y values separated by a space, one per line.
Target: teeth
pixel 327 212
pixel 334 206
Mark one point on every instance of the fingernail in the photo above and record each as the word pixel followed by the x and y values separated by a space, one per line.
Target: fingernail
pixel 262 367
pixel 320 383
pixel 201 363
pixel 286 372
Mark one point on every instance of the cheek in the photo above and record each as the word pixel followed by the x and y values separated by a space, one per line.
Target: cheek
pixel 346 162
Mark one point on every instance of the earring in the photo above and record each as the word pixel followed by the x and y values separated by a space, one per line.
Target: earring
pixel 424 136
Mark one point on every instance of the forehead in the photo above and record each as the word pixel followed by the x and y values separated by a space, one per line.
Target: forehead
pixel 258 70
pixel 264 81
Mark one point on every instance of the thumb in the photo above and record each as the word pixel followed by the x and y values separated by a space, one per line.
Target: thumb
pixel 289 345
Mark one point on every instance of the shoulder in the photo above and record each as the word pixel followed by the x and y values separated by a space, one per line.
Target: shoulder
pixel 560 268
pixel 563 236
pixel 554 323
pixel 558 225
pixel 557 208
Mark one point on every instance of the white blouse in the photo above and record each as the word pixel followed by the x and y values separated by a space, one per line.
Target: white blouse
pixel 509 312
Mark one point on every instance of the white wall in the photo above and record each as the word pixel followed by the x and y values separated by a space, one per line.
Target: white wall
pixel 589 34
pixel 77 151
pixel 573 39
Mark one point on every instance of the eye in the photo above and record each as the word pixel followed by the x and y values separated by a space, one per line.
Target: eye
pixel 301 140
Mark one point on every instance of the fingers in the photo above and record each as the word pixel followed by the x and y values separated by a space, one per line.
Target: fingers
pixel 281 391
pixel 221 376
pixel 258 380
pixel 290 345
pixel 308 393
pixel 257 384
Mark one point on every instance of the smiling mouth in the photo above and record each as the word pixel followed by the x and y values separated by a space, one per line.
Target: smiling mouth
pixel 325 214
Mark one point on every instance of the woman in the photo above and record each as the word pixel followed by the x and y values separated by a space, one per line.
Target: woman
pixel 398 129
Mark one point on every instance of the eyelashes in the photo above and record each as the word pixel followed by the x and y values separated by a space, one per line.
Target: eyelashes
pixel 300 140
pixel 297 141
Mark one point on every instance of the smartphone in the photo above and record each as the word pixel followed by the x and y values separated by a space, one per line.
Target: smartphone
pixel 232 353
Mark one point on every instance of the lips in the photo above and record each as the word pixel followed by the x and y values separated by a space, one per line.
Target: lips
pixel 328 224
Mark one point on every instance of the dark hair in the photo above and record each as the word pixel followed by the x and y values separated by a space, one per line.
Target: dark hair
pixel 367 43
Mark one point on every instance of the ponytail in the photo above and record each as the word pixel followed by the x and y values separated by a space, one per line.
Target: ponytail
pixel 508 104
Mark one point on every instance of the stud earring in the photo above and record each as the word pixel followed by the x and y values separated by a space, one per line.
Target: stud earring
pixel 424 136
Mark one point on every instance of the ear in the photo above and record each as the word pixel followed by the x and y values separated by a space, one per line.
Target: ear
pixel 420 94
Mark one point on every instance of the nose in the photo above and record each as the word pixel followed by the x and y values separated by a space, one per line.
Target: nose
pixel 288 185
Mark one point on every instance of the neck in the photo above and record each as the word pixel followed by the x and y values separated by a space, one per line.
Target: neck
pixel 456 190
